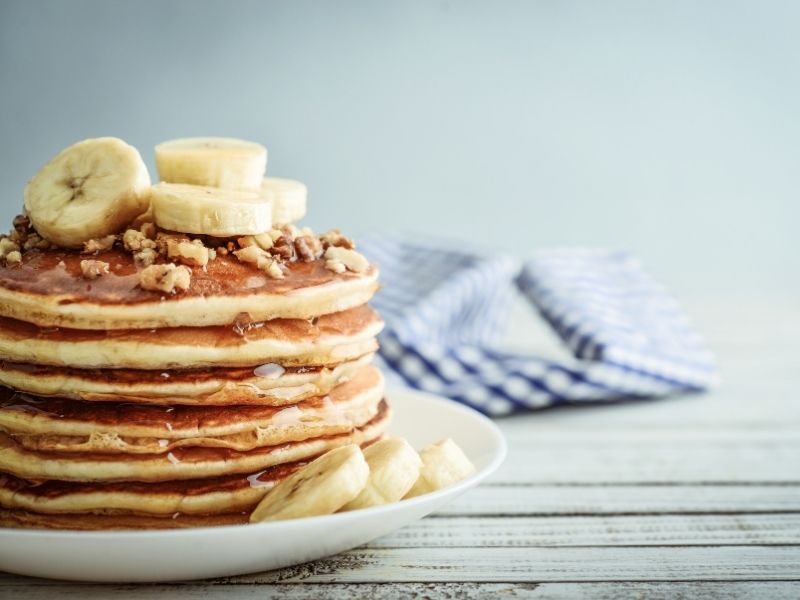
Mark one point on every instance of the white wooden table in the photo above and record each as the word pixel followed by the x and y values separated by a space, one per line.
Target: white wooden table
pixel 689 497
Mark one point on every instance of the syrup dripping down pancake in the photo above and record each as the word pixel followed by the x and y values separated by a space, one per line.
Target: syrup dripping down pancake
pixel 228 494
pixel 182 463
pixel 68 426
pixel 269 384
pixel 47 288
pixel 329 339
pixel 94 522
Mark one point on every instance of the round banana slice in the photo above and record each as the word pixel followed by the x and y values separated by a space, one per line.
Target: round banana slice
pixel 210 211
pixel 320 488
pixel 89 190
pixel 394 466
pixel 288 199
pixel 443 464
pixel 216 162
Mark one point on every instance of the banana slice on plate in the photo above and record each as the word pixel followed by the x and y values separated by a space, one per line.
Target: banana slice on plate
pixel 443 464
pixel 288 199
pixel 394 466
pixel 209 210
pixel 89 190
pixel 320 488
pixel 215 162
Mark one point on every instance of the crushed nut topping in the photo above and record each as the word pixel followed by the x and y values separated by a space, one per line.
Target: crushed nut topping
pixel 193 253
pixel 258 257
pixel 7 246
pixel 336 266
pixel 165 278
pixel 308 248
pixel 349 258
pixel 34 240
pixel 134 240
pixel 99 244
pixel 145 257
pixel 283 247
pixel 334 237
pixel 22 223
pixel 92 269
pixel 268 252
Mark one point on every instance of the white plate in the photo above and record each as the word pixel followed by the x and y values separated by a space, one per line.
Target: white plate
pixel 221 551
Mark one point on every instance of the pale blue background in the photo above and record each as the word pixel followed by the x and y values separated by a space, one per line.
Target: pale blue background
pixel 669 128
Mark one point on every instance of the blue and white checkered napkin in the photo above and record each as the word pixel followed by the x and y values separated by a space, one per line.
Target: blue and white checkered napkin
pixel 445 308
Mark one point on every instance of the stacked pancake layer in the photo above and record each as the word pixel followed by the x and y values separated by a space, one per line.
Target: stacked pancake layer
pixel 128 408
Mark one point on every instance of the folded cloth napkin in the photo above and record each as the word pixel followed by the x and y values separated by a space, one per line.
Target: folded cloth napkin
pixel 445 308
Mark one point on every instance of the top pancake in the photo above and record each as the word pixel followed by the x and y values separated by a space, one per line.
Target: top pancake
pixel 47 288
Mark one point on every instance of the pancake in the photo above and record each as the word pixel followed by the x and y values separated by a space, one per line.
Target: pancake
pixel 71 426
pixel 182 463
pixel 269 384
pixel 91 522
pixel 42 291
pixel 289 342
pixel 197 497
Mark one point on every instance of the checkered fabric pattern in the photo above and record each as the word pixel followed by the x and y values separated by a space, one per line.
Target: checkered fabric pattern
pixel 445 309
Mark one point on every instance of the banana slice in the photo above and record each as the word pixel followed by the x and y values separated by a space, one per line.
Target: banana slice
pixel 443 464
pixel 216 162
pixel 394 466
pixel 288 199
pixel 89 190
pixel 210 211
pixel 320 488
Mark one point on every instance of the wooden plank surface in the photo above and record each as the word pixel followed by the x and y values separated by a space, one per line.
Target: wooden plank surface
pixel 696 496
pixel 684 530
pixel 422 591
pixel 532 500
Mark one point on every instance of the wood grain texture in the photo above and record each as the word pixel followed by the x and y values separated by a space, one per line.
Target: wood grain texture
pixel 419 591
pixel 531 500
pixel 503 532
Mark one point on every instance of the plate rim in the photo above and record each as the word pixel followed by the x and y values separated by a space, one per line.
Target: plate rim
pixel 276 526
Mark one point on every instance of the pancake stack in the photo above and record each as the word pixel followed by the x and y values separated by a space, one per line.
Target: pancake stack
pixel 161 374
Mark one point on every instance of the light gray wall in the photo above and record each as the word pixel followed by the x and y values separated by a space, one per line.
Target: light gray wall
pixel 666 127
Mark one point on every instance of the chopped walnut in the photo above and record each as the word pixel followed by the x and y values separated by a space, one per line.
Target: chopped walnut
pixel 308 248
pixel 350 258
pixel 134 241
pixel 14 257
pixel 264 240
pixel 336 266
pixel 284 248
pixel 92 269
pixel 246 241
pixel 145 257
pixel 99 244
pixel 250 254
pixel 18 237
pixel 7 246
pixel 334 237
pixel 34 240
pixel 22 223
pixel 166 240
pixel 191 253
pixel 165 278
pixel 290 231
pixel 261 260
